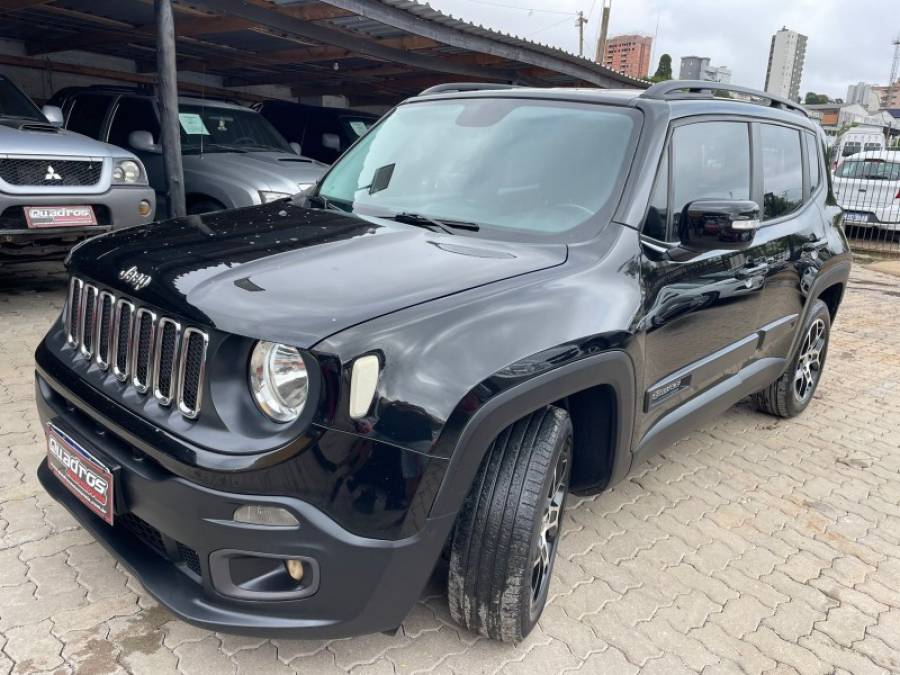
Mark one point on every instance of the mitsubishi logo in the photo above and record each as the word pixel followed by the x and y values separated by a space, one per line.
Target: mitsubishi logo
pixel 51 173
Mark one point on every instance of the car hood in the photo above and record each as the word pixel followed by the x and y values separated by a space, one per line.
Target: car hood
pixel 291 274
pixel 22 137
pixel 276 171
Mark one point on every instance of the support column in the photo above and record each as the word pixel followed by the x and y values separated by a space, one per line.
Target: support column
pixel 167 88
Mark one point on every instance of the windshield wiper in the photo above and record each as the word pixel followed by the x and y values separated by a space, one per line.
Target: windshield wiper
pixel 442 224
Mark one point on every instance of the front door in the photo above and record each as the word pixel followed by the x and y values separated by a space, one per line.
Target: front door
pixel 701 314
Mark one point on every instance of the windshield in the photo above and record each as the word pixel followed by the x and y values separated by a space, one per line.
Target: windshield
pixel 528 167
pixel 871 169
pixel 13 103
pixel 218 129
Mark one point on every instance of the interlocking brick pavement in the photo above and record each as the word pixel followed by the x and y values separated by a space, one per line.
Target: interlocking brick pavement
pixel 755 545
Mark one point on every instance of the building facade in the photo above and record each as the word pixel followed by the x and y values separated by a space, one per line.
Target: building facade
pixel 786 56
pixel 629 55
pixel 889 97
pixel 863 94
pixel 698 68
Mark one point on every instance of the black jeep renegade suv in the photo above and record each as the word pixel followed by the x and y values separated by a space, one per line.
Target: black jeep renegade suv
pixel 279 417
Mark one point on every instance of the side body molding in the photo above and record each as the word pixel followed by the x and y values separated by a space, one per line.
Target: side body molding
pixel 612 368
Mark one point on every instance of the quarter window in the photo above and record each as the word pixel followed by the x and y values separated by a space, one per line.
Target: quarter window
pixel 782 170
pixel 658 212
pixel 711 161
pixel 812 159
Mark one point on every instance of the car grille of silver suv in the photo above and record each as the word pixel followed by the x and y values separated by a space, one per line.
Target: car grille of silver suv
pixel 151 353
pixel 50 172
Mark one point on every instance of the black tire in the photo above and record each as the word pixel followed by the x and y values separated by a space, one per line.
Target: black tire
pixel 496 542
pixel 788 396
pixel 204 206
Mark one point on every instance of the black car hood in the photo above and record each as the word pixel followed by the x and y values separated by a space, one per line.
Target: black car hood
pixel 296 275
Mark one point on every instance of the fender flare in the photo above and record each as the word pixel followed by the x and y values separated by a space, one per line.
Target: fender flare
pixel 839 273
pixel 612 368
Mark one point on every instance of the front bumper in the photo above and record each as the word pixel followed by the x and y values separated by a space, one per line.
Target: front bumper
pixel 114 209
pixel 175 536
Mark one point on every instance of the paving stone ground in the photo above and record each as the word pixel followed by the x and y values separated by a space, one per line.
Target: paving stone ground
pixel 755 545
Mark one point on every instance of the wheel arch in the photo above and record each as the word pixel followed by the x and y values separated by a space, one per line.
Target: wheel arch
pixel 606 378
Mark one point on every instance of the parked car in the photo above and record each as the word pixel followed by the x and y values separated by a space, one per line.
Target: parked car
pixel 231 155
pixel 58 187
pixel 857 139
pixel 278 417
pixel 867 187
pixel 323 133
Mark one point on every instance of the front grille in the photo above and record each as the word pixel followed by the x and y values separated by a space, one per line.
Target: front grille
pixel 50 172
pixel 144 350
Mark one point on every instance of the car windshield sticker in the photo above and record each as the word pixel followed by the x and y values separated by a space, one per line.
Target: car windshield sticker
pixel 359 127
pixel 193 124
pixel 222 123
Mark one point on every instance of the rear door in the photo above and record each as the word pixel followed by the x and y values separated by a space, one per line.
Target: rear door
pixel 700 314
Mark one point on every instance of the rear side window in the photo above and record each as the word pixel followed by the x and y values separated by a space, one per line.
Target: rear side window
pixel 711 160
pixel 812 159
pixel 872 146
pixel 782 170
pixel 851 148
pixel 88 114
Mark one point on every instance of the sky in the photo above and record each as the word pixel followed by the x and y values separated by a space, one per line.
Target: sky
pixel 849 40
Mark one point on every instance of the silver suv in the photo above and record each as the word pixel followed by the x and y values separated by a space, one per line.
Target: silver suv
pixel 232 156
pixel 57 187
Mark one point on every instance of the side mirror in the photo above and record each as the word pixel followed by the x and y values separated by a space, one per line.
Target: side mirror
pixel 331 141
pixel 142 140
pixel 53 114
pixel 296 148
pixel 716 224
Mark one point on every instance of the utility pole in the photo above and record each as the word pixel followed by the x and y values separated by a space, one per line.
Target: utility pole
pixel 600 56
pixel 580 20
pixel 167 84
pixel 895 67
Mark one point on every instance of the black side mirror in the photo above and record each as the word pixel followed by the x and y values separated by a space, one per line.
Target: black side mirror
pixel 716 224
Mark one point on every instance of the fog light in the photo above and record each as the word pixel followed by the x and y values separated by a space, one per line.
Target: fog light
pixel 144 208
pixel 295 569
pixel 256 514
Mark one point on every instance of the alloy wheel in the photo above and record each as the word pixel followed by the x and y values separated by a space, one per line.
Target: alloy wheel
pixel 548 534
pixel 809 363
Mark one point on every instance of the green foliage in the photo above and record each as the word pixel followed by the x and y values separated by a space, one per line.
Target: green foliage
pixel 813 98
pixel 664 70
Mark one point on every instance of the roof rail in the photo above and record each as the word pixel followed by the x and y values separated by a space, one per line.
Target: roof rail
pixel 465 86
pixel 674 90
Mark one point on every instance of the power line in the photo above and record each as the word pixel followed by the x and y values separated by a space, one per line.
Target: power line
pixel 552 25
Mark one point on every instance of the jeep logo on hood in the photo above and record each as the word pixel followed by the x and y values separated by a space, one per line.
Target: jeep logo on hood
pixel 135 278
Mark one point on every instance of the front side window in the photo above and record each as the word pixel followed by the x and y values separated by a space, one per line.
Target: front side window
pixel 711 161
pixel 782 170
pixel 872 146
pixel 656 223
pixel 133 114
pixel 851 148
pixel 522 168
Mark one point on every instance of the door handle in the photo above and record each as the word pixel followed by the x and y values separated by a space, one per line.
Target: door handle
pixel 749 272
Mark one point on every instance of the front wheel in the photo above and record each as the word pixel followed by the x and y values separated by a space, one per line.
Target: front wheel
pixel 507 534
pixel 791 393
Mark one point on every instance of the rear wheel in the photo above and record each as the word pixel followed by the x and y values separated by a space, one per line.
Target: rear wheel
pixel 507 534
pixel 791 393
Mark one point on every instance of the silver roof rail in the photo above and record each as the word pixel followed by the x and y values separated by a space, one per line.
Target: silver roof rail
pixel 677 90
pixel 465 86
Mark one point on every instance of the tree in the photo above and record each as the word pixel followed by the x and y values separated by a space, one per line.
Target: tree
pixel 813 98
pixel 664 70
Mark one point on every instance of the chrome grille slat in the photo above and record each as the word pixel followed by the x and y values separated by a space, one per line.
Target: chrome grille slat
pixel 146 351
pixel 191 367
pixel 144 329
pixel 164 360
pixel 88 320
pixel 123 329
pixel 105 306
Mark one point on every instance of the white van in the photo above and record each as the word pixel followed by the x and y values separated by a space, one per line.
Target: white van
pixel 867 187
pixel 858 139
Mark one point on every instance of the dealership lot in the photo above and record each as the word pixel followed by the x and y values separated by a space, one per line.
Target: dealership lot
pixel 754 545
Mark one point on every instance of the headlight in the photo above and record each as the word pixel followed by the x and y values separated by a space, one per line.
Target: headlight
pixel 128 172
pixel 268 196
pixel 279 381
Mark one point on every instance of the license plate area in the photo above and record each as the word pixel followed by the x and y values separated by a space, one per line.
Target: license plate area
pixel 87 477
pixel 40 217
pixel 856 217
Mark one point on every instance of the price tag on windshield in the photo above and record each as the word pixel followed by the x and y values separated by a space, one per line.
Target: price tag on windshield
pixel 193 124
